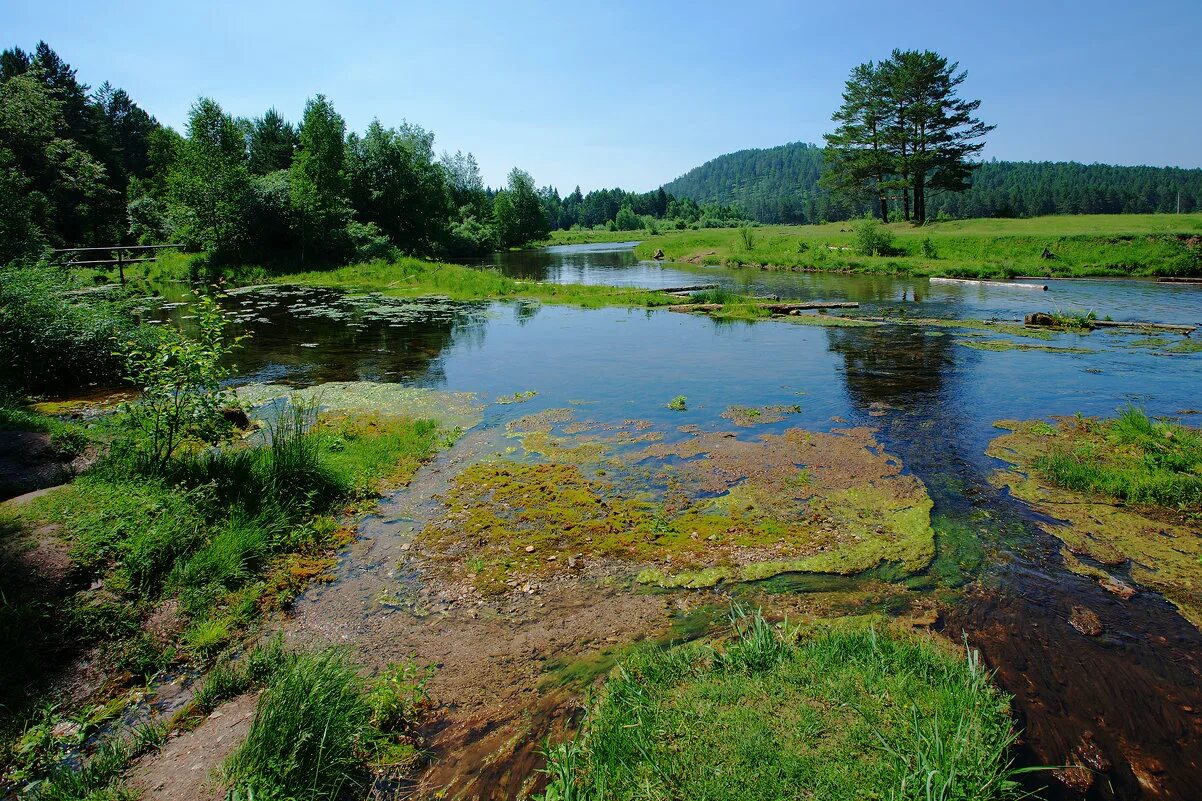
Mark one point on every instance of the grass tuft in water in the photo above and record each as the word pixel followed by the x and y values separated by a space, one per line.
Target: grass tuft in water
pixel 843 713
pixel 1132 458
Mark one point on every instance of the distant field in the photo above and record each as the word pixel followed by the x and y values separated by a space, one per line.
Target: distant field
pixel 1082 245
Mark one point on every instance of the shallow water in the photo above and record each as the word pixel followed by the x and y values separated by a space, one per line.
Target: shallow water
pixel 1137 690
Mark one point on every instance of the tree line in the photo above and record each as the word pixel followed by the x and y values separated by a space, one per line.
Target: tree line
pixel 86 168
pixel 80 167
pixel 779 185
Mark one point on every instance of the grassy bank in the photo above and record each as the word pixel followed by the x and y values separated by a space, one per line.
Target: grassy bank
pixel 595 237
pixel 150 569
pixel 838 714
pixel 1083 245
pixel 414 277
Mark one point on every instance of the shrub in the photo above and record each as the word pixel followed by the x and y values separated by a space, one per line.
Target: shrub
pixel 182 395
pixel 50 339
pixel 872 238
pixel 746 237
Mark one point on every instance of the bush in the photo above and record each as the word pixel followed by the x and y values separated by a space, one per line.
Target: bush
pixel 627 220
pixel 872 238
pixel 747 238
pixel 182 396
pixel 368 243
pixel 51 340
pixel 470 237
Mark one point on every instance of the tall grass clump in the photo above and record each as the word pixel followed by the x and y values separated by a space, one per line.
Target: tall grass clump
pixel 320 728
pixel 844 713
pixel 1132 458
pixel 311 722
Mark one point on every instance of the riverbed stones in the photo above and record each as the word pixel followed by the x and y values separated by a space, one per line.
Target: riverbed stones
pixel 1086 621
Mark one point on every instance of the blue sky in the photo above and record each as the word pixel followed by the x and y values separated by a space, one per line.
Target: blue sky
pixel 632 94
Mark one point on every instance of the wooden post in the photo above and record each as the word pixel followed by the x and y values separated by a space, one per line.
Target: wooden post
pixel 120 266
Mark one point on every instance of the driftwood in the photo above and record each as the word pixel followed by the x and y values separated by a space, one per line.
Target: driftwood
pixel 987 282
pixel 673 290
pixel 775 308
pixel 1179 280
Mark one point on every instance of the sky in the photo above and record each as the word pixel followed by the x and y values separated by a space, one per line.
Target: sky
pixel 633 94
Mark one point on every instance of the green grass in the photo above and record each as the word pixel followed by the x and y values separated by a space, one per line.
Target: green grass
pixel 1132 458
pixel 845 713
pixel 100 778
pixel 593 237
pixel 320 729
pixel 409 277
pixel 1083 245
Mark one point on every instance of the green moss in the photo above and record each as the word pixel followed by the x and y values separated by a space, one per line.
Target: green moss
pixel 1004 345
pixel 450 409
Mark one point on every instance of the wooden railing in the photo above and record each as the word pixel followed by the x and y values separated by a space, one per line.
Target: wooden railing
pixel 119 255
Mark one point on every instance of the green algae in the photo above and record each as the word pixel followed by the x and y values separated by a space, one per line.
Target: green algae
pixel 706 509
pixel 746 416
pixel 1160 548
pixel 1013 329
pixel 449 409
pixel 1005 345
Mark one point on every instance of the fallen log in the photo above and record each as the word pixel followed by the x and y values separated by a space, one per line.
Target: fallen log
pixel 1168 280
pixel 775 308
pixel 673 290
pixel 987 282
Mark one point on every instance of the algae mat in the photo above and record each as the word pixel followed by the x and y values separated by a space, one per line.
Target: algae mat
pixel 1160 550
pixel 450 409
pixel 689 511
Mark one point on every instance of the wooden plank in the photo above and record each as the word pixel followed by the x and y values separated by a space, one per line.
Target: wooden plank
pixel 672 290
pixel 99 261
pixel 113 248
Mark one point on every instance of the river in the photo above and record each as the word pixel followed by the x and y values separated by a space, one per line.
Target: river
pixel 1130 699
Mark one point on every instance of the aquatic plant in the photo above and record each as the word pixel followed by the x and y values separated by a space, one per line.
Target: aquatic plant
pixel 678 404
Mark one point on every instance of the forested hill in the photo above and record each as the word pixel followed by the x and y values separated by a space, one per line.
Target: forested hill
pixel 780 184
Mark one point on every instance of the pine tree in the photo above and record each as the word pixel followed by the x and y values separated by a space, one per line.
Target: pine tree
pixel 857 156
pixel 938 132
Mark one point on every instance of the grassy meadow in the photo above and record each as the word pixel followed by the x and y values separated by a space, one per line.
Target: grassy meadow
pixel 1081 245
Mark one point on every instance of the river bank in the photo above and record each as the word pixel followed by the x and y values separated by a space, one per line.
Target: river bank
pixel 1065 246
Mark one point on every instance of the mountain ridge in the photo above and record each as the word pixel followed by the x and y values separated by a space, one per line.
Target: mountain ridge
pixel 780 185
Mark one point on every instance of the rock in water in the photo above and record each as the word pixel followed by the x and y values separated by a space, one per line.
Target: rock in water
pixel 1086 621
pixel 1038 318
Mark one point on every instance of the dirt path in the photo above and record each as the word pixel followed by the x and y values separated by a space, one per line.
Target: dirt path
pixel 186 768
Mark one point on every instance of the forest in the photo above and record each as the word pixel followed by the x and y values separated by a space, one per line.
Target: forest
pixel 83 167
pixel 780 185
